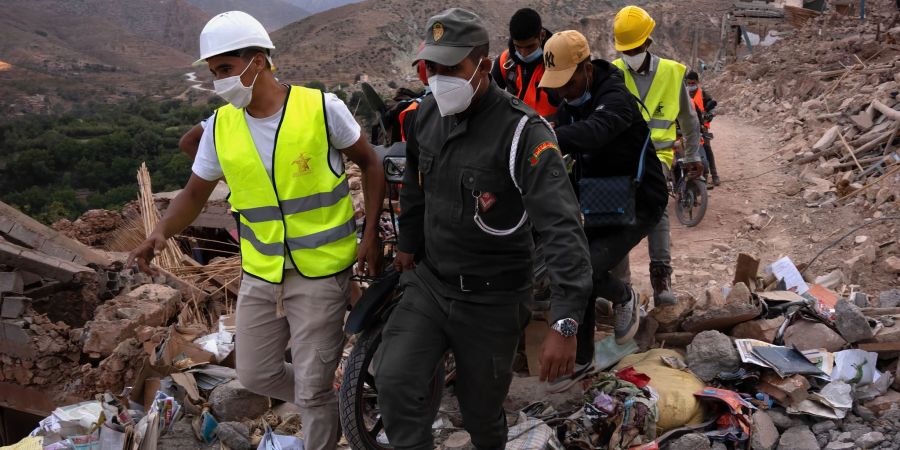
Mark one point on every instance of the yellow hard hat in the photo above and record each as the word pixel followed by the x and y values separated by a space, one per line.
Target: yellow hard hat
pixel 632 27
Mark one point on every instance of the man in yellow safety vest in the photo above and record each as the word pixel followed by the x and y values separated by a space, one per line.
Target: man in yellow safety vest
pixel 659 84
pixel 281 149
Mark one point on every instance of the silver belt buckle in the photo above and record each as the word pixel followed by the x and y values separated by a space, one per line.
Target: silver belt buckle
pixel 462 285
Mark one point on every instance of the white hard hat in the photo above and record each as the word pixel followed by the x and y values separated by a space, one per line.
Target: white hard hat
pixel 229 31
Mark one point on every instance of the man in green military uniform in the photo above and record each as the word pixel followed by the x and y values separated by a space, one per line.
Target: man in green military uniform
pixel 483 172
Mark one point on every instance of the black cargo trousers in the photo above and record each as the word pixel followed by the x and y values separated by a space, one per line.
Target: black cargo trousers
pixel 431 318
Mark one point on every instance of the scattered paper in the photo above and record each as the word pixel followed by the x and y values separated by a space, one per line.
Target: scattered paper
pixel 745 349
pixel 855 367
pixel 833 402
pixel 785 270
pixel 823 359
pixel 272 441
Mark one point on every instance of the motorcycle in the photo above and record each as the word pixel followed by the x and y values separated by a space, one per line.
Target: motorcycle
pixel 690 194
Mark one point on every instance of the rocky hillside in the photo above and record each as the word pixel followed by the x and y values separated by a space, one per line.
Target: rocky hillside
pixel 317 6
pixel 57 53
pixel 273 14
pixel 378 37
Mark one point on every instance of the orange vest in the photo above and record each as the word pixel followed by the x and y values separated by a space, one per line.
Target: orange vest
pixel 402 117
pixel 534 96
pixel 698 103
pixel 698 100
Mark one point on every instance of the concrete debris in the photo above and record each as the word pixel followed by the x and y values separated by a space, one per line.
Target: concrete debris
pixel 783 420
pixel 711 353
pixel 235 435
pixel 232 402
pixel 851 323
pixel 798 438
pixel 871 439
pixel 11 283
pixel 889 299
pixel 692 441
pixel 761 330
pixel 882 404
pixel 149 305
pixel 765 435
pixel 892 264
pixel 787 391
pixel 807 335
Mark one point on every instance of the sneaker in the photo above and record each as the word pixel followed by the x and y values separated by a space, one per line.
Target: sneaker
pixel 627 318
pixel 716 181
pixel 563 384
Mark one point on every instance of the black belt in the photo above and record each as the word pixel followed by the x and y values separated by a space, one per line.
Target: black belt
pixel 472 283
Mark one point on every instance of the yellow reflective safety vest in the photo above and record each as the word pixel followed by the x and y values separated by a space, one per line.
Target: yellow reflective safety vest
pixel 662 102
pixel 304 211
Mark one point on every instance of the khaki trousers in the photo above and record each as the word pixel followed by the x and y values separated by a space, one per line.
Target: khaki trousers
pixel 313 327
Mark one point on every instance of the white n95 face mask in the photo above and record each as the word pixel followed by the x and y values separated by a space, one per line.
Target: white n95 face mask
pixel 636 61
pixel 233 90
pixel 453 95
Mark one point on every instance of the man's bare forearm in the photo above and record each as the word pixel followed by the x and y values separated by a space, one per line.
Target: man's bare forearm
pixel 185 207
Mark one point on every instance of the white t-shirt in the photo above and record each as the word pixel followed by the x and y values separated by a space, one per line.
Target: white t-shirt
pixel 343 131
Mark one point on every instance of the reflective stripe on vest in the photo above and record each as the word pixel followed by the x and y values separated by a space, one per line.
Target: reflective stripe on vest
pixel 663 103
pixel 534 96
pixel 304 208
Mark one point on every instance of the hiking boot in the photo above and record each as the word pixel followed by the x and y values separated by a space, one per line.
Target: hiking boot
pixel 563 384
pixel 661 281
pixel 627 317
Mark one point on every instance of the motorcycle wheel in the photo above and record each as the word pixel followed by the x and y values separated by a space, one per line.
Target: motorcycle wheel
pixel 690 207
pixel 360 414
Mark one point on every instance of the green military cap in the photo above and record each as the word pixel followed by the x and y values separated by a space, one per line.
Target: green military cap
pixel 451 35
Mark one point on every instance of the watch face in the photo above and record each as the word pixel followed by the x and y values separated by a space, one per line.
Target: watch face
pixel 566 327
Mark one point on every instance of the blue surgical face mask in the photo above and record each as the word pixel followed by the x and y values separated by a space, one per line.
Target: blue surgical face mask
pixel 584 97
pixel 534 56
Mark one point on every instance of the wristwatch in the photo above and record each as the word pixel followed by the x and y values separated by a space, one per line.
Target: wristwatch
pixel 567 327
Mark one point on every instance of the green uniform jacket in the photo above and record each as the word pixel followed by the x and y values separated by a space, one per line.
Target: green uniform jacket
pixel 452 159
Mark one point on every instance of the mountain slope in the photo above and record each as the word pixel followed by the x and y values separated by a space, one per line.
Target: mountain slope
pixel 172 23
pixel 273 14
pixel 317 6
pixel 379 37
pixel 60 53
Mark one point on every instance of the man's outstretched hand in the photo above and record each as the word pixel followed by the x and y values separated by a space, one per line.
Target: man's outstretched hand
pixel 144 254
pixel 557 356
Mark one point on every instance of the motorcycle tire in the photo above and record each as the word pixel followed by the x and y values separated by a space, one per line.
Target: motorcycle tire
pixel 690 206
pixel 360 427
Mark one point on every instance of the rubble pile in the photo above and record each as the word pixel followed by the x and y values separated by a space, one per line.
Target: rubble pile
pixel 829 90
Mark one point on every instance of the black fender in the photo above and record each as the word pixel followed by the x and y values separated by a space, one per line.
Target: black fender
pixel 373 300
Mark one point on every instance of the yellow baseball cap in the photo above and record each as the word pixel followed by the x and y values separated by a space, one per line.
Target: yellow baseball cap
pixel 562 54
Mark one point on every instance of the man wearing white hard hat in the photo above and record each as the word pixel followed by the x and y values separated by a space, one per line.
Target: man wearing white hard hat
pixel 280 147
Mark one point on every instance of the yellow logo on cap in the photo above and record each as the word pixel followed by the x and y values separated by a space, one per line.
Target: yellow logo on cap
pixel 437 31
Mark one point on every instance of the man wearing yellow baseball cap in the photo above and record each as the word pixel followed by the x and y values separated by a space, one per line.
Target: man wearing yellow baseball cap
pixel 660 84
pixel 600 125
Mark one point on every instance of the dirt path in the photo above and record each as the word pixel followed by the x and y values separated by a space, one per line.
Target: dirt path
pixel 706 253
